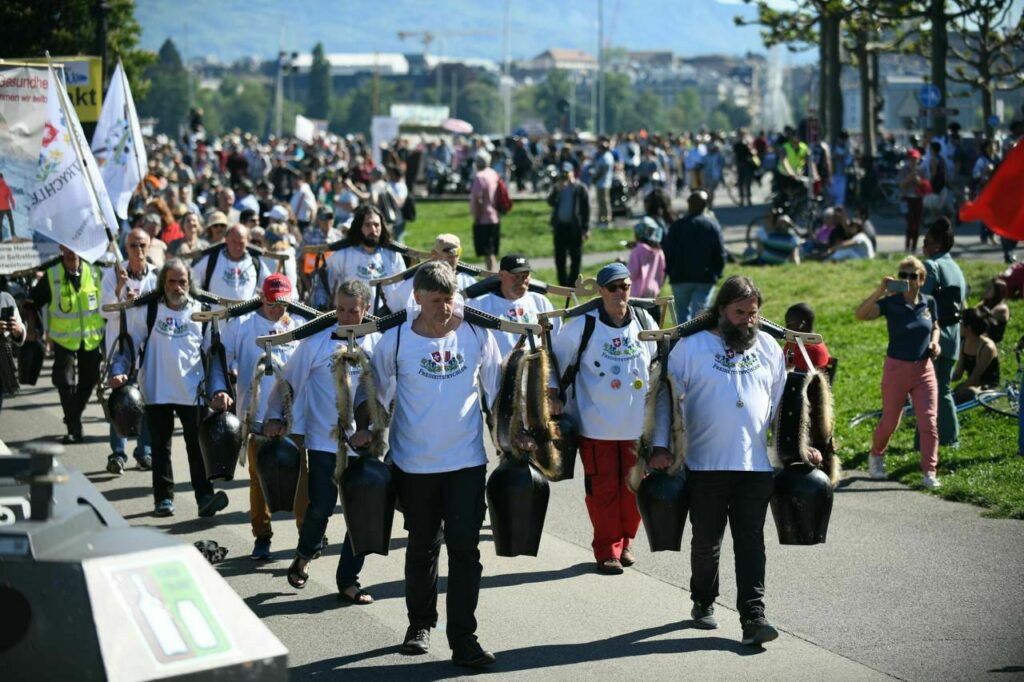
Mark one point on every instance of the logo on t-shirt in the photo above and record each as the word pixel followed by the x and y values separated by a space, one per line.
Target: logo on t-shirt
pixel 621 349
pixel 518 313
pixel 236 276
pixel 743 363
pixel 370 270
pixel 442 365
pixel 170 326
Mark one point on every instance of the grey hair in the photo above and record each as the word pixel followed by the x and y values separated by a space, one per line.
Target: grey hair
pixel 356 289
pixel 174 264
pixel 435 276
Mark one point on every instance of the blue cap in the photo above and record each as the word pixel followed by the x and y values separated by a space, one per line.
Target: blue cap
pixel 611 273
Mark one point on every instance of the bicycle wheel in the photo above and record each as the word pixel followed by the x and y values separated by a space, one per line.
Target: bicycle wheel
pixel 1000 402
pixel 865 416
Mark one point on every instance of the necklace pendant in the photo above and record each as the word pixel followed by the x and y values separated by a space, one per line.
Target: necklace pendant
pixel 739 403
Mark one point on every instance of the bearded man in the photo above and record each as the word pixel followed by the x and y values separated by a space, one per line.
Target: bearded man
pixel 729 383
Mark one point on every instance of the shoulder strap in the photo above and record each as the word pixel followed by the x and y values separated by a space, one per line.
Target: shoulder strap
pixel 151 311
pixel 569 378
pixel 210 265
pixel 257 264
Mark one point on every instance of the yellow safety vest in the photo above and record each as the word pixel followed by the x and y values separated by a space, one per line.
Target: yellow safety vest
pixel 74 319
pixel 797 157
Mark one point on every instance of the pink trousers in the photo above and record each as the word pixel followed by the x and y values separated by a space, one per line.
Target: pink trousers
pixel 917 379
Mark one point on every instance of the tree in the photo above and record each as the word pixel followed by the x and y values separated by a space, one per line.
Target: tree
pixel 993 55
pixel 168 99
pixel 734 116
pixel 480 106
pixel 686 112
pixel 548 98
pixel 318 99
pixel 70 27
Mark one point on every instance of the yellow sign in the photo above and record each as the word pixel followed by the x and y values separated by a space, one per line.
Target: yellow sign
pixel 83 77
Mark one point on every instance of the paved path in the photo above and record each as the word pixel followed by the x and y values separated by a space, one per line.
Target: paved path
pixel 909 587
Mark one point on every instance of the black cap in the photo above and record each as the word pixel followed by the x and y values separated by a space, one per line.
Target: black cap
pixel 515 263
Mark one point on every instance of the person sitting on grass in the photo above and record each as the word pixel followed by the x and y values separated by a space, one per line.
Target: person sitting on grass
pixel 800 317
pixel 778 243
pixel 979 358
pixel 856 246
pixel 994 309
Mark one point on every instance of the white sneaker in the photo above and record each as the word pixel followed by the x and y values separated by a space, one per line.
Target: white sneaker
pixel 930 480
pixel 876 467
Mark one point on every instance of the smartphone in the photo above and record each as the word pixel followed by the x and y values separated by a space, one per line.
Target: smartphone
pixel 897 286
pixel 6 313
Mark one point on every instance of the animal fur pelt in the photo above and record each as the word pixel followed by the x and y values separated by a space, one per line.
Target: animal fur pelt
pixel 344 356
pixel 644 447
pixel 254 400
pixel 806 419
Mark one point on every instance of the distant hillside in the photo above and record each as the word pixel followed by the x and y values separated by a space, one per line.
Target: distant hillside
pixel 229 29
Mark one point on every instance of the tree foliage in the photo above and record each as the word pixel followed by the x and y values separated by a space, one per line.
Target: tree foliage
pixel 318 99
pixel 169 98
pixel 479 104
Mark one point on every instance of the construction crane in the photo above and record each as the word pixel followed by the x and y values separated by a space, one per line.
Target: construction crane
pixel 428 37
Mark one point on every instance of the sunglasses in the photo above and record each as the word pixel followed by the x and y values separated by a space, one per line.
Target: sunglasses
pixel 621 286
pixel 137 245
pixel 908 275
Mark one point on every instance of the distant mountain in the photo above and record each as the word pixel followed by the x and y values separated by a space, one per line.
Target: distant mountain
pixel 230 29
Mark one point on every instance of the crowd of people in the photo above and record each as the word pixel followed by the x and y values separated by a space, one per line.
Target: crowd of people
pixel 329 221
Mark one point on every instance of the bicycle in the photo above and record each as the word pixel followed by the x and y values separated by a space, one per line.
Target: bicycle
pixel 1004 401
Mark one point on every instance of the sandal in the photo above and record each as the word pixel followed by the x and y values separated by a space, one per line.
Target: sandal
pixel 360 598
pixel 296 576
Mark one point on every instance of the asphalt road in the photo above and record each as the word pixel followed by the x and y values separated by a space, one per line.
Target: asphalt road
pixel 909 586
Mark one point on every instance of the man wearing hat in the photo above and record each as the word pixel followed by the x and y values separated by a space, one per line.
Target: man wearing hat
pixel 513 300
pixel 694 257
pixel 570 223
pixel 245 361
pixel 229 270
pixel 607 399
pixel 216 226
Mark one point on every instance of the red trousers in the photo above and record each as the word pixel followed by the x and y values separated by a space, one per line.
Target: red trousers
pixel 611 505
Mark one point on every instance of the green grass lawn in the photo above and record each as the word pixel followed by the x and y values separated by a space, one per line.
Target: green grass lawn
pixel 985 470
pixel 526 230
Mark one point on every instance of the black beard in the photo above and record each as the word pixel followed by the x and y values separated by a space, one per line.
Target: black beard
pixel 740 339
pixel 371 240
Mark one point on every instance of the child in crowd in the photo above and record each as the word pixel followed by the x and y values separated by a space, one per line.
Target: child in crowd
pixel 800 317
pixel 646 259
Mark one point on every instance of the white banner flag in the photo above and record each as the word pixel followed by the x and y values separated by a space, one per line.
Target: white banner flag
pixel 69 202
pixel 117 143
pixel 304 129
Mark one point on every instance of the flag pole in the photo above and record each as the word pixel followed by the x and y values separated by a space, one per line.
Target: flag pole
pixel 131 124
pixel 81 159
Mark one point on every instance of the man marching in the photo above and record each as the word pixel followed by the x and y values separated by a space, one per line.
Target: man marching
pixel 229 270
pixel 310 374
pixel 364 254
pixel 436 367
pixel 514 301
pixel 730 382
pixel 610 386
pixel 244 358
pixel 170 374
pixel 136 276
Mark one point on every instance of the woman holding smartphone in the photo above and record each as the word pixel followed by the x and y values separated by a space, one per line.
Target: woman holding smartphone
pixel 912 319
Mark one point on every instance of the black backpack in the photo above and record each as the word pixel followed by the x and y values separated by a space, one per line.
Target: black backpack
pixel 211 265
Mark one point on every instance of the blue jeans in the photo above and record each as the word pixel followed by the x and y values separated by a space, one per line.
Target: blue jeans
pixel 118 445
pixel 323 497
pixel 691 298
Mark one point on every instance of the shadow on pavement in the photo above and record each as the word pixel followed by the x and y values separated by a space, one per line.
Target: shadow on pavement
pixel 632 644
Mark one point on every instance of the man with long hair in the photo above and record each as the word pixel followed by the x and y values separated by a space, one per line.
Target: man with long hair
pixel 366 252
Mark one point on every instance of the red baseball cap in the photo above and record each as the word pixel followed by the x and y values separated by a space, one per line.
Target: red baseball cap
pixel 276 287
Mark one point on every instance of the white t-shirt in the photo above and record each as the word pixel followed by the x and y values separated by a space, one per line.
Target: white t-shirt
pixel 172 368
pixel 108 286
pixel 310 373
pixel 352 262
pixel 436 385
pixel 612 382
pixel 861 249
pixel 522 310
pixel 721 436
pixel 232 279
pixel 239 339
pixel 303 203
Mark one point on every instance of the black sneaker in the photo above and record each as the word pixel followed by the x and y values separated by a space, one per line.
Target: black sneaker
pixel 703 617
pixel 144 462
pixel 417 641
pixel 261 550
pixel 211 504
pixel 757 631
pixel 115 464
pixel 468 653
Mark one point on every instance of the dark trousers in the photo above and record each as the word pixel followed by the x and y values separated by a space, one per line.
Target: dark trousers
pixel 741 498
pixel 160 419
pixel 75 373
pixel 568 242
pixel 323 497
pixel 455 498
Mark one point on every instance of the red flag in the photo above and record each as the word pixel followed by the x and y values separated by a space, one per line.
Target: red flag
pixel 1000 205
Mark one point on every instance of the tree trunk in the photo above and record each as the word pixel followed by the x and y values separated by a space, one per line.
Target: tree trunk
pixel 876 96
pixel 940 46
pixel 867 114
pixel 835 90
